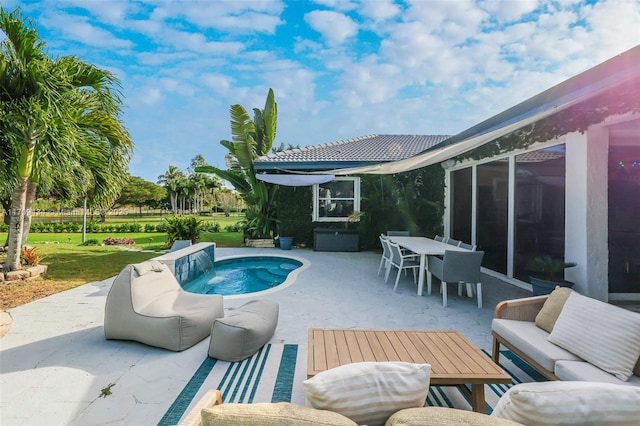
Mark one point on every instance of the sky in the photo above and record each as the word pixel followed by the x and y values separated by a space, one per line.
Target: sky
pixel 339 69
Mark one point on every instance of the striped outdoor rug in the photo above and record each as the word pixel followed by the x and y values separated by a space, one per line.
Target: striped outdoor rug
pixel 276 372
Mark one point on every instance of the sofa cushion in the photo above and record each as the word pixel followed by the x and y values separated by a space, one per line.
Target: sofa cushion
pixel 270 414
pixel 570 403
pixel 551 309
pixel 369 392
pixel 441 416
pixel 604 335
pixel 531 340
pixel 582 370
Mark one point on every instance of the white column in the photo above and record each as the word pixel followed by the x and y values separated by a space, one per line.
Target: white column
pixel 586 211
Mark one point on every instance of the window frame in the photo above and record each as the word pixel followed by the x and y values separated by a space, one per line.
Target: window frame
pixel 355 199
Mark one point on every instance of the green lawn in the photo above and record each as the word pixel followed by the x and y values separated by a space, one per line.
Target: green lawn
pixel 71 264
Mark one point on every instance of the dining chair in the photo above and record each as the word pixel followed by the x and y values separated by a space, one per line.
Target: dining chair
pixel 453 242
pixel 456 267
pixel 402 262
pixel 471 247
pixel 398 234
pixel 386 253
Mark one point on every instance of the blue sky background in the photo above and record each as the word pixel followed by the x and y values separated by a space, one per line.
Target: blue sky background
pixel 339 69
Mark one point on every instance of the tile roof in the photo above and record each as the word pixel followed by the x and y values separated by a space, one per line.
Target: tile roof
pixel 371 148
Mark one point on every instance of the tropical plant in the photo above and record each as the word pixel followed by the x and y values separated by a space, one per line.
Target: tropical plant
pixel 171 180
pixel 59 121
pixel 183 228
pixel 251 139
pixel 549 268
pixel 30 256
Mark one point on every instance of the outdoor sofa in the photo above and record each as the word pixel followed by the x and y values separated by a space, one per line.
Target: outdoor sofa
pixel 539 403
pixel 568 336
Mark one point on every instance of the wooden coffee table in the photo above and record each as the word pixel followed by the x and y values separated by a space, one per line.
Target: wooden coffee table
pixel 454 360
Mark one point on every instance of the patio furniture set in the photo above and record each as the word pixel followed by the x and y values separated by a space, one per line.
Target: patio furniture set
pixel 449 260
pixel 589 350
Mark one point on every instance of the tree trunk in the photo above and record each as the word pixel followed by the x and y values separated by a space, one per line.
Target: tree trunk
pixel 174 202
pixel 31 198
pixel 15 227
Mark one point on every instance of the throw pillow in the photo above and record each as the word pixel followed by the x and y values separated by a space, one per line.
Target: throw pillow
pixel 602 334
pixel 441 416
pixel 551 309
pixel 148 266
pixel 271 414
pixel 570 403
pixel 369 392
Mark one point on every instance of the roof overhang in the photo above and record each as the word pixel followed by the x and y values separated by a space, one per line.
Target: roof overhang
pixel 294 179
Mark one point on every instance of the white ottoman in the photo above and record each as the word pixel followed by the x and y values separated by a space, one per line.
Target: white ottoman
pixel 243 331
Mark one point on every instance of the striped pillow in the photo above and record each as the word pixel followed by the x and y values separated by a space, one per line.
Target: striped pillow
pixel 369 392
pixel 604 335
pixel 570 403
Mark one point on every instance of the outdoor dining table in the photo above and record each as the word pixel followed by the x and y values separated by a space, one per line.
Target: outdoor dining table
pixel 424 246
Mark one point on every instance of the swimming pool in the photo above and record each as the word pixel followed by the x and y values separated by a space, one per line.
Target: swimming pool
pixel 245 275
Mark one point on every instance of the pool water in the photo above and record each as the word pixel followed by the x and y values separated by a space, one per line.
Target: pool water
pixel 243 275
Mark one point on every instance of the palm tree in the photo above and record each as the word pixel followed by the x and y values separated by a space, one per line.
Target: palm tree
pixel 171 179
pixel 251 139
pixel 61 116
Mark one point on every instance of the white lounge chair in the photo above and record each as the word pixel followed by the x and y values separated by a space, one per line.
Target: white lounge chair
pixel 147 304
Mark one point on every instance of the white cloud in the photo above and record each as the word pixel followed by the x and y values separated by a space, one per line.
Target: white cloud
pixel 509 10
pixel 380 10
pixel 231 16
pixel 341 5
pixel 455 22
pixel 76 28
pixel 197 42
pixel 334 27
pixel 368 82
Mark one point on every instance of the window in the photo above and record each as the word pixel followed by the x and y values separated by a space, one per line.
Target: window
pixel 492 213
pixel 539 206
pixel 461 205
pixel 334 201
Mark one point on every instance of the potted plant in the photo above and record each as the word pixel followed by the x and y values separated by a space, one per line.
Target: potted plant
pixel 285 235
pixel 547 273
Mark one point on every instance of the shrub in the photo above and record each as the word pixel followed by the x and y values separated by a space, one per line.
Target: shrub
pixel 211 227
pixel 73 227
pixel 135 227
pixel 183 228
pixel 110 241
pixel 233 228
pixel 91 242
pixel 149 227
pixel 58 227
pixel 30 256
pixel 161 227
pixel 122 228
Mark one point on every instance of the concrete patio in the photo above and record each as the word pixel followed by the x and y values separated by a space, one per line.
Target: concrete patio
pixel 56 368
